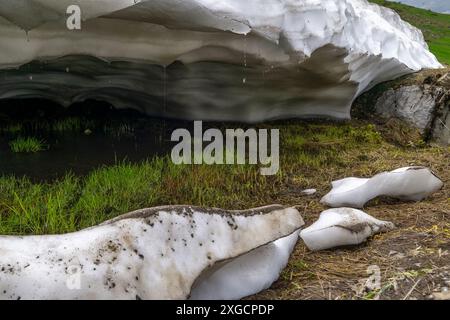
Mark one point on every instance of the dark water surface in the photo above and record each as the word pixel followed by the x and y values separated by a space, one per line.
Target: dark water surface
pixel 114 137
pixel 80 154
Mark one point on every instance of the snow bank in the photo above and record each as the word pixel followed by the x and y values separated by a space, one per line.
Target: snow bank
pixel 342 227
pixel 155 253
pixel 214 60
pixel 409 184
pixel 250 273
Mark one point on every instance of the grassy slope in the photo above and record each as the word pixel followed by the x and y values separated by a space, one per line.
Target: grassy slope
pixel 435 27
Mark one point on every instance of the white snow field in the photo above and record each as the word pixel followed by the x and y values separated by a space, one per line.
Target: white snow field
pixel 206 59
pixel 342 227
pixel 156 253
pixel 409 184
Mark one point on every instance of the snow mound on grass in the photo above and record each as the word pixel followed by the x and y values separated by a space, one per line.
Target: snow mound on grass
pixel 250 273
pixel 342 227
pixel 155 253
pixel 409 184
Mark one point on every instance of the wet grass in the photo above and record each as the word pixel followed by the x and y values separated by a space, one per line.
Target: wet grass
pixel 435 27
pixel 72 125
pixel 72 203
pixel 311 154
pixel 27 145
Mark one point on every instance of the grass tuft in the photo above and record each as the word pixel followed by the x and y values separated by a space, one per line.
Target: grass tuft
pixel 27 145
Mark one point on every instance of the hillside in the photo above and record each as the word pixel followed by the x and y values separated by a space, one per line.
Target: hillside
pixel 435 27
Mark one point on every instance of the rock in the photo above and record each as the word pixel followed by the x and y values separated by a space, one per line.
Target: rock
pixel 88 132
pixel 443 295
pixel 414 104
pixel 420 100
pixel 426 107
pixel 157 253
pixel 227 60
pixel 409 184
pixel 342 227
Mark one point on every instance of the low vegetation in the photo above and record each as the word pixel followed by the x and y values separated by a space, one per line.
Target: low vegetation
pixel 27 145
pixel 311 155
pixel 72 125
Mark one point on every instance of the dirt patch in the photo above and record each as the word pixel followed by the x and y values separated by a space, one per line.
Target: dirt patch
pixel 413 261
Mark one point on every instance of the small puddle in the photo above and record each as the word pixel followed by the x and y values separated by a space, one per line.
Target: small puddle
pixel 80 139
pixel 79 154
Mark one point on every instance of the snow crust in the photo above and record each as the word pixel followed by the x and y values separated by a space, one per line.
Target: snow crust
pixel 220 60
pixel 409 183
pixel 248 274
pixel 342 227
pixel 155 253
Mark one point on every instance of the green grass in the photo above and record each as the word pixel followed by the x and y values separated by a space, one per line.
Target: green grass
pixel 72 125
pixel 435 27
pixel 27 145
pixel 311 156
pixel 73 203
